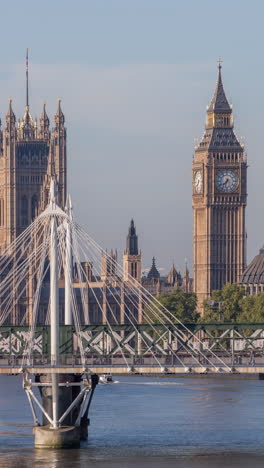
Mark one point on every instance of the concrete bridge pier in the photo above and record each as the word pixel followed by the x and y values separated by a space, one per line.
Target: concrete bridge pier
pixel 74 400
pixel 66 395
pixel 60 438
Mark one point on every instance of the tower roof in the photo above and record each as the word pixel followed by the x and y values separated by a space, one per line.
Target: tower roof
pixel 219 102
pixel 219 133
pixel 132 229
pixel 254 273
pixel 222 139
pixel 153 272
pixel 132 240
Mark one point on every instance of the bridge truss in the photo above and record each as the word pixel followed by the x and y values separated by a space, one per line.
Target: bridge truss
pixel 236 344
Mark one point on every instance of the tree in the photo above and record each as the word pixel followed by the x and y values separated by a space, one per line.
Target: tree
pixel 181 305
pixel 252 309
pixel 228 304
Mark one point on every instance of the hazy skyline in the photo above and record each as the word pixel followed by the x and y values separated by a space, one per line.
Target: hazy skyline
pixel 135 79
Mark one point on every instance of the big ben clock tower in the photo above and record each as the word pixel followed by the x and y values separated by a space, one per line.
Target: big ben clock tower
pixel 219 200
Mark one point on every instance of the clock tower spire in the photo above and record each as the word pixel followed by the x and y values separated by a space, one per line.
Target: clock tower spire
pixel 219 200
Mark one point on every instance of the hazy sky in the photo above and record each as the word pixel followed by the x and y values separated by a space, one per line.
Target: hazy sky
pixel 135 77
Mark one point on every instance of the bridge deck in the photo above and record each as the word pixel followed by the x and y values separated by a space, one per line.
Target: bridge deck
pixel 137 370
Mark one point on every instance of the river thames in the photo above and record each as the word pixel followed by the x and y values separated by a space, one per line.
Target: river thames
pixel 158 422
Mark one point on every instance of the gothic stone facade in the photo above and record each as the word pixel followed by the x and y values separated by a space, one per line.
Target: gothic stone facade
pixel 29 155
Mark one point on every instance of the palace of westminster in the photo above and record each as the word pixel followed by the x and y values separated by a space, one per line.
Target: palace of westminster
pixel 31 153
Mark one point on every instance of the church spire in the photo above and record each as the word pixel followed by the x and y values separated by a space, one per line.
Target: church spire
pixel 132 255
pixel 219 103
pixel 132 240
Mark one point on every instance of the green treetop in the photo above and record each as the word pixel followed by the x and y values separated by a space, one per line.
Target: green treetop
pixel 182 306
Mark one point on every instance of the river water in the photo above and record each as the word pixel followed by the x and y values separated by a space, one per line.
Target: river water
pixel 148 422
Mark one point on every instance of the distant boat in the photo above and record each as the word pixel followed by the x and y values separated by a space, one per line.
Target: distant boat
pixel 105 379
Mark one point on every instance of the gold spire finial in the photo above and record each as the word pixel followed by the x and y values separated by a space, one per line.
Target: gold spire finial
pixel 220 61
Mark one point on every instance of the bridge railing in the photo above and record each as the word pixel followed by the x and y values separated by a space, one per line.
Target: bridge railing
pixel 234 343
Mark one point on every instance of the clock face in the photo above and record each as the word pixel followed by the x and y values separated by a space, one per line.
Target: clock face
pixel 226 180
pixel 198 182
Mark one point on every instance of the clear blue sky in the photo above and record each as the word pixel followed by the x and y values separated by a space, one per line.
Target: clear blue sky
pixel 135 77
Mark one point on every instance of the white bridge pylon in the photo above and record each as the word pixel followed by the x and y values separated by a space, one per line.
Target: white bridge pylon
pixel 55 245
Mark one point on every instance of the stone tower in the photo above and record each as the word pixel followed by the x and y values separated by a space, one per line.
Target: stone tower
pixel 109 266
pixel 29 155
pixel 219 200
pixel 132 256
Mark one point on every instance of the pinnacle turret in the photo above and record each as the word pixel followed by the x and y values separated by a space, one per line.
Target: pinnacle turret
pixel 186 270
pixel 44 123
pixel 10 116
pixel 27 128
pixel 44 117
pixel 59 116
pixel 172 275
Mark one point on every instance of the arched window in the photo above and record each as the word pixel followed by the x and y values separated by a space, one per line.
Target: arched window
pixel 34 207
pixel 24 211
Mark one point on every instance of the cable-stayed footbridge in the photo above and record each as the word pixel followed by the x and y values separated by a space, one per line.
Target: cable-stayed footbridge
pixel 62 353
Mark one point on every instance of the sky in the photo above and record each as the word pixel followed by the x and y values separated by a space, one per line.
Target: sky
pixel 135 77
